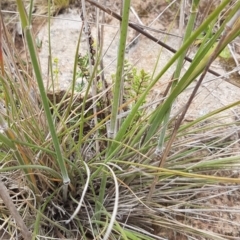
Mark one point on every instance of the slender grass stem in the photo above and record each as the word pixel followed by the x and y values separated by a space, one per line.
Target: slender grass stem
pixel 38 74
pixel 189 29
pixel 120 63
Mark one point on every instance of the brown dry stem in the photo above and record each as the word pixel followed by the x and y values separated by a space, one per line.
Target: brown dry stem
pixel 15 214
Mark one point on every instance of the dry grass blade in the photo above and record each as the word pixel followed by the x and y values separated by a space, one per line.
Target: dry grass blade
pixel 196 184
pixel 182 115
pixel 14 212
pixel 83 195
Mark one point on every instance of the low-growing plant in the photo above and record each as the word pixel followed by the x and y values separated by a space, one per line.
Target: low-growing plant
pixel 79 169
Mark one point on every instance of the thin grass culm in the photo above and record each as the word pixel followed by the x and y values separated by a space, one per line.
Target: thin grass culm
pixel 139 145
pixel 31 46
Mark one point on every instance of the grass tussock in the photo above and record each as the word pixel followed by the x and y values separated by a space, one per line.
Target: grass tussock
pixel 105 165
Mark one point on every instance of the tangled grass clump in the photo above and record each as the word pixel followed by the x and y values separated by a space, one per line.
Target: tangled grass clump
pixel 87 168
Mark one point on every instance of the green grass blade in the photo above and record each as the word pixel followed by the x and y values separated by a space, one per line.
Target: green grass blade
pixel 38 74
pixel 132 114
pixel 120 64
pixel 178 70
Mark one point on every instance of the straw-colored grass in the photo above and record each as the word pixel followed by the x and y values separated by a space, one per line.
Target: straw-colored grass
pixel 92 168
